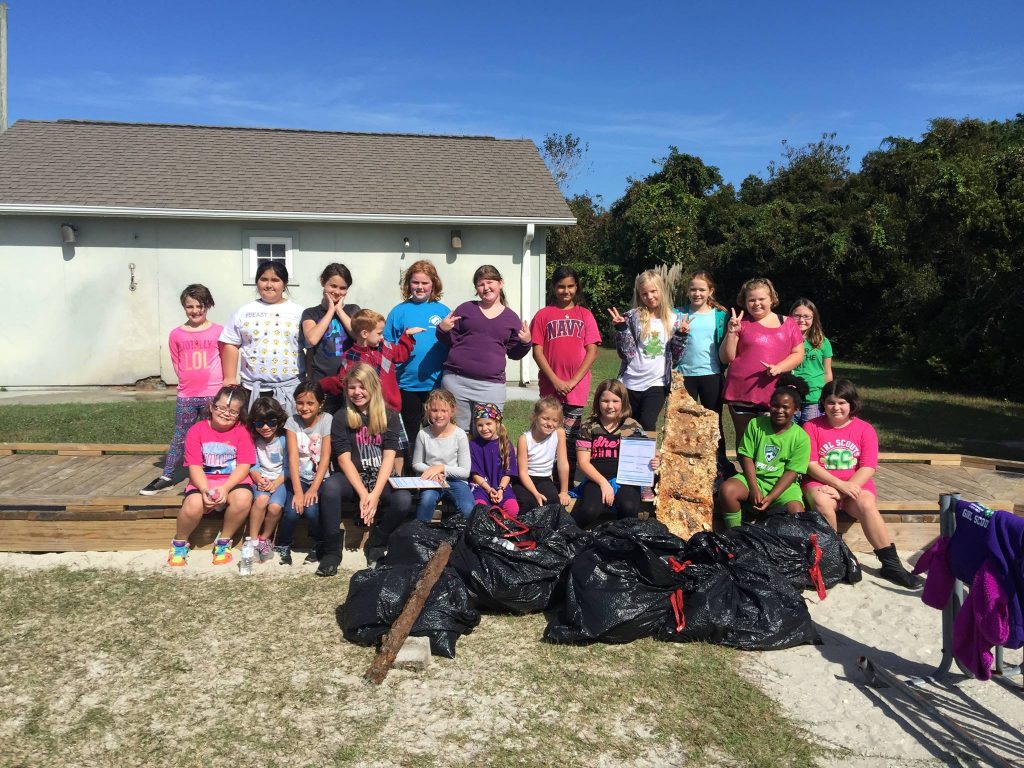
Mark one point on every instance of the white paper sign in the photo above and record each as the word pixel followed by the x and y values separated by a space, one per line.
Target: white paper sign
pixel 635 454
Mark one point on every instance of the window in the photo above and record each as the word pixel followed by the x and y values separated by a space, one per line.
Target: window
pixel 267 247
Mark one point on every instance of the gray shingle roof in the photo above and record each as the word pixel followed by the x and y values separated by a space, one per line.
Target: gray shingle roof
pixel 204 168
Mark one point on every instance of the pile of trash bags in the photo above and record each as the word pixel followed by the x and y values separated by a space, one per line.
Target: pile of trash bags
pixel 622 581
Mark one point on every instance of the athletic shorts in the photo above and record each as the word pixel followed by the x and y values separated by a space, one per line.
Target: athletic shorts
pixel 790 494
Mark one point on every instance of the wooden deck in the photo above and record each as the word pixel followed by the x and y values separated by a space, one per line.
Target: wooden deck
pixel 57 498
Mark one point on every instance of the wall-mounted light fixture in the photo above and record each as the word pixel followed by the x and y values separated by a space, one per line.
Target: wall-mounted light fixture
pixel 68 234
pixel 406 243
pixel 456 239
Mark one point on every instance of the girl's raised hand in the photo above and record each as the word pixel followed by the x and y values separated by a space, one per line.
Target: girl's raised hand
pixel 331 305
pixel 524 334
pixel 684 324
pixel 617 319
pixel 770 369
pixel 734 320
pixel 449 322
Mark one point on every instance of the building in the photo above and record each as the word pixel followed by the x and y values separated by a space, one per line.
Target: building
pixel 102 225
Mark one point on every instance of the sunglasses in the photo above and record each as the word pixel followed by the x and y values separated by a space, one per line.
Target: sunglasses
pixel 264 423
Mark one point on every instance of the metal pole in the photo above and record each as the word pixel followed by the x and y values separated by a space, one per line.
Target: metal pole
pixel 3 67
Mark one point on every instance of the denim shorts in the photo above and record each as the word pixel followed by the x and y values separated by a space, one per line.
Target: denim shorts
pixel 279 496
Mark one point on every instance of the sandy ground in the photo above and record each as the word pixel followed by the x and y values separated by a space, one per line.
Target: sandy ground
pixel 820 687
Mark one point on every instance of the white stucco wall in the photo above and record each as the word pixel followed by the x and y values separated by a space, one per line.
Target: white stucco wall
pixel 71 318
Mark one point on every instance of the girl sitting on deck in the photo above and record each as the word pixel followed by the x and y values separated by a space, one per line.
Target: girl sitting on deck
pixel 844 456
pixel 218 454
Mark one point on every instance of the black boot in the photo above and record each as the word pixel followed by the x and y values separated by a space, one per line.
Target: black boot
pixel 893 569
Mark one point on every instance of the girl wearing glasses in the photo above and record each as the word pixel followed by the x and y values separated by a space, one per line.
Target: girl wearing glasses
pixel 218 454
pixel 266 425
pixel 816 369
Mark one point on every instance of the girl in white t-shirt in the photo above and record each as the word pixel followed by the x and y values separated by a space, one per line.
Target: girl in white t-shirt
pixel 649 339
pixel 539 451
pixel 264 335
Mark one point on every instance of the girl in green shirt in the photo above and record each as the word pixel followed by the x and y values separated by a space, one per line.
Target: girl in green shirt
pixel 816 369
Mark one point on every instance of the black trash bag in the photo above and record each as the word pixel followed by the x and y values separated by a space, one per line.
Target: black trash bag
pixel 515 565
pixel 618 589
pixel 377 596
pixel 793 556
pixel 741 601
pixel 837 562
pixel 415 542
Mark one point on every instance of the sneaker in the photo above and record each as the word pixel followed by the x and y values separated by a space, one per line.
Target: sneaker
pixel 647 493
pixel 284 555
pixel 178 554
pixel 162 483
pixel 264 550
pixel 313 556
pixel 222 552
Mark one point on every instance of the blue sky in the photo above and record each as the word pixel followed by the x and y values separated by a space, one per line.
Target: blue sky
pixel 725 81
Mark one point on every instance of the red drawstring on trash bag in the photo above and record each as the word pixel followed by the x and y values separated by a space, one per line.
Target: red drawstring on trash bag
pixel 815 570
pixel 512 528
pixel 676 598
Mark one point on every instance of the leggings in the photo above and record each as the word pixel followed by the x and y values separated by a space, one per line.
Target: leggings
pixel 187 411
pixel 647 405
pixel 546 487
pixel 392 510
pixel 590 505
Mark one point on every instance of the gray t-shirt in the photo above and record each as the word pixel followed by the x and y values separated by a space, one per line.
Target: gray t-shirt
pixel 451 451
pixel 310 440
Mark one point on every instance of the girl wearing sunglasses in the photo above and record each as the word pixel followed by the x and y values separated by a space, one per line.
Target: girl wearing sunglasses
pixel 266 423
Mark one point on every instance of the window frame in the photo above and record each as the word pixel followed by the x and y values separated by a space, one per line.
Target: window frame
pixel 251 239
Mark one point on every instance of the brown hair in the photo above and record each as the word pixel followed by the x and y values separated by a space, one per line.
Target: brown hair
pixel 703 274
pixel 504 444
pixel 815 334
pixel 444 396
pixel 757 282
pixel 200 293
pixel 427 268
pixel 366 320
pixel 618 389
pixel 489 272
pixel 549 403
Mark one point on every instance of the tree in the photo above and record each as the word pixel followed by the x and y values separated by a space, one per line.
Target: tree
pixel 565 156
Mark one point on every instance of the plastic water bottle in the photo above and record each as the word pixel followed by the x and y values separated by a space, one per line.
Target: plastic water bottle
pixel 245 566
pixel 503 543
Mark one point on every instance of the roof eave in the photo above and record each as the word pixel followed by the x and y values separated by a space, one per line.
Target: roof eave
pixel 33 209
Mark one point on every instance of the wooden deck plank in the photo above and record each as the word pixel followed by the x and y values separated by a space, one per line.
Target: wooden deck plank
pixel 908 478
pixel 72 476
pixel 40 469
pixel 129 477
pixel 89 447
pixel 82 468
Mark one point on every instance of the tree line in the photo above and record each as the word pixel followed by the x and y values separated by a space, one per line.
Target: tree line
pixel 916 259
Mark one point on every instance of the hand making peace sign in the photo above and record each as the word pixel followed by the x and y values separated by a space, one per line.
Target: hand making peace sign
pixel 449 322
pixel 734 320
pixel 617 319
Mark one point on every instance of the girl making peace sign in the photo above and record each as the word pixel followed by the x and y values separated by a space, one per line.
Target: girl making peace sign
pixel 480 334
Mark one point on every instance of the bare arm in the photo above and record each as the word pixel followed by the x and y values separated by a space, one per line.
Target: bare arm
pixel 229 363
pixel 524 474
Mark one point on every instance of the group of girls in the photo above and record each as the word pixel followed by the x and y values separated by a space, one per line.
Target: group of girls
pixel 754 362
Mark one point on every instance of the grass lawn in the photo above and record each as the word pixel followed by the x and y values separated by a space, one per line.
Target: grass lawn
pixel 908 417
pixel 113 668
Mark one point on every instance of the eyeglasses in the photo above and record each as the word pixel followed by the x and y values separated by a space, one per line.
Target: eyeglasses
pixel 264 423
pixel 802 317
pixel 225 411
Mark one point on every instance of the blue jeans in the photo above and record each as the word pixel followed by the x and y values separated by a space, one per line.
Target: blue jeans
pixel 457 490
pixel 807 412
pixel 290 518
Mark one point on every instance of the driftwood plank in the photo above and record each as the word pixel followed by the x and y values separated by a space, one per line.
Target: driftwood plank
pixel 413 607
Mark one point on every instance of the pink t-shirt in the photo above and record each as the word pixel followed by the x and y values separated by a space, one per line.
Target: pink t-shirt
pixel 843 450
pixel 195 356
pixel 563 335
pixel 747 380
pixel 218 453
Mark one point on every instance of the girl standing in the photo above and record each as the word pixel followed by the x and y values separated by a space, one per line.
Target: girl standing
pixel 327 327
pixel 218 454
pixel 539 450
pixel 441 453
pixel 422 308
pixel 773 454
pixel 565 340
pixel 759 346
pixel 816 369
pixel 704 322
pixel 597 454
pixel 194 348
pixel 266 424
pixel 492 460
pixel 264 334
pixel 364 441
pixel 649 340
pixel 479 335
pixel 308 433
pixel 844 456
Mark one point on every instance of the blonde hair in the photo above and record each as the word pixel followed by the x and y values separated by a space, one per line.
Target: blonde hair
pixel 549 403
pixel 366 320
pixel 442 395
pixel 665 313
pixel 427 268
pixel 757 282
pixel 376 413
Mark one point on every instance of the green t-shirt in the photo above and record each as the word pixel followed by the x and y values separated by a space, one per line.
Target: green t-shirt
pixel 774 454
pixel 812 369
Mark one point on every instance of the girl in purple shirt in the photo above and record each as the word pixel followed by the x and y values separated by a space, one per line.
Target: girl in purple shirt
pixel 493 461
pixel 481 334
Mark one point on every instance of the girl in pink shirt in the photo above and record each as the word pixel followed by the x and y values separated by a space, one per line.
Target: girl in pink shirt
pixel 844 456
pixel 759 346
pixel 195 354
